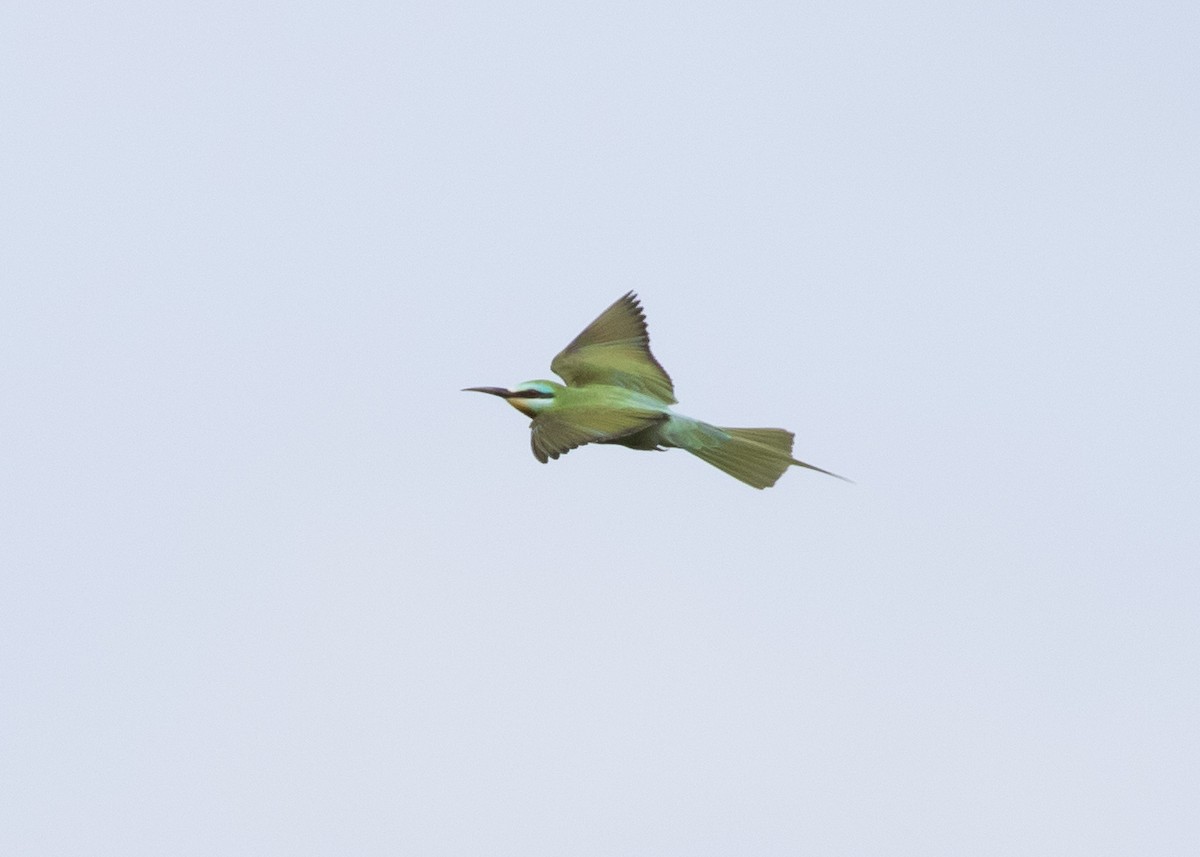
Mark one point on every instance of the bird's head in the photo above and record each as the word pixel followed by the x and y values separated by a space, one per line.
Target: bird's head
pixel 528 397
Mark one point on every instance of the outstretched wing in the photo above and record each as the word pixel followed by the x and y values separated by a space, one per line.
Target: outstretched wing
pixel 560 430
pixel 615 349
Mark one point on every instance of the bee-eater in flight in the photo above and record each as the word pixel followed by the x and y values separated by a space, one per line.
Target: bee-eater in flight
pixel 616 392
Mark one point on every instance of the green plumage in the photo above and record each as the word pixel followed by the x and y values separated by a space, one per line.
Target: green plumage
pixel 616 392
pixel 590 420
pixel 615 349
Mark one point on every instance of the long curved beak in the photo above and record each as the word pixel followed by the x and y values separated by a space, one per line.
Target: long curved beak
pixel 494 391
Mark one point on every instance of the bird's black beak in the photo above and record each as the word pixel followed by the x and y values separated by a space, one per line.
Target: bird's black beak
pixel 494 391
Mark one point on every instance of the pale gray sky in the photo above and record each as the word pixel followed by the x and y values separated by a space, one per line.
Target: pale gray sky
pixel 273 585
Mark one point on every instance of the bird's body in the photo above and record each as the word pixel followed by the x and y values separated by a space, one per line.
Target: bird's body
pixel 616 392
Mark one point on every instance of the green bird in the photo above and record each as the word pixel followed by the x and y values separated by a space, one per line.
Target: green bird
pixel 616 392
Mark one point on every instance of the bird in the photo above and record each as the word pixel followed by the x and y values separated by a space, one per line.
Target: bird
pixel 616 392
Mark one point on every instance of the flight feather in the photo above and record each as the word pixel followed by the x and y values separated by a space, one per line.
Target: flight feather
pixel 559 431
pixel 615 349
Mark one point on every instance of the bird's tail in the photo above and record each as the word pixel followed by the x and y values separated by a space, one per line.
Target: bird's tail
pixel 756 456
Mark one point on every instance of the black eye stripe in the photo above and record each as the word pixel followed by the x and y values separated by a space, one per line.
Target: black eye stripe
pixel 532 394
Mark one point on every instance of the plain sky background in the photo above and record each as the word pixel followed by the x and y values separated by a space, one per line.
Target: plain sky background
pixel 272 585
